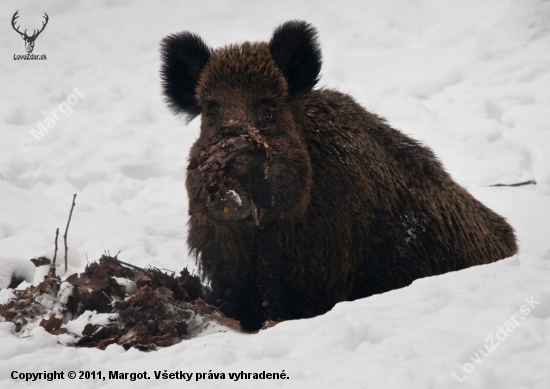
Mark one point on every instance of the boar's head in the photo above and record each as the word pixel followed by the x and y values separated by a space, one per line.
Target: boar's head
pixel 250 163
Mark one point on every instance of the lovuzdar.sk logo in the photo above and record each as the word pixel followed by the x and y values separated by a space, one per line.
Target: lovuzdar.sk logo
pixel 29 40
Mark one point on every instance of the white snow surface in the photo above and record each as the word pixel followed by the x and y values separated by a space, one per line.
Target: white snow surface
pixel 17 268
pixel 469 78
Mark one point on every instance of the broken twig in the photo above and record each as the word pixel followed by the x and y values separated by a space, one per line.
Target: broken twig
pixel 126 264
pixel 530 182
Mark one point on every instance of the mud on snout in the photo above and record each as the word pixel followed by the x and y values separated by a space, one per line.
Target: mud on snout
pixel 222 165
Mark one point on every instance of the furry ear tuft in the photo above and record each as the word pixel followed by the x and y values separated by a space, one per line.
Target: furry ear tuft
pixel 183 56
pixel 296 52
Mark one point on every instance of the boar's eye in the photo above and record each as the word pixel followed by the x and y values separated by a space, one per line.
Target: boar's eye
pixel 265 109
pixel 268 115
pixel 212 119
pixel 211 111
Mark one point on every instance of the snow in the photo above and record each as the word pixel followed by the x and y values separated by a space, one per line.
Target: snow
pixel 16 267
pixel 42 338
pixel 128 284
pixel 77 325
pixel 234 195
pixel 7 295
pixel 469 78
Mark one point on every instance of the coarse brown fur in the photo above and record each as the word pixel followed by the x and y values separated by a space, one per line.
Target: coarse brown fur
pixel 348 206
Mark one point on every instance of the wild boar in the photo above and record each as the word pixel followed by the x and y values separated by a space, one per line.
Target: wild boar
pixel 299 198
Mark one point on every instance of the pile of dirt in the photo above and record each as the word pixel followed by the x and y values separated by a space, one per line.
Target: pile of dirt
pixel 151 308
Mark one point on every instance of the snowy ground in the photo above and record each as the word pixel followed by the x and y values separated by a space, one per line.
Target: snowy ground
pixel 469 78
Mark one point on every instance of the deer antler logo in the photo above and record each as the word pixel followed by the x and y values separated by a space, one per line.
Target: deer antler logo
pixel 29 40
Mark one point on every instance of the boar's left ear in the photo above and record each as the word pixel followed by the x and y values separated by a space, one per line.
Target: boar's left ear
pixel 296 52
pixel 184 56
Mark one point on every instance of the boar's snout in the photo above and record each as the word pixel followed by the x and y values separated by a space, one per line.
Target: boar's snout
pixel 232 130
pixel 229 164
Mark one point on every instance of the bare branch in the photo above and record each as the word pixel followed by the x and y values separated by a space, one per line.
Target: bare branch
pixel 52 266
pixel 66 230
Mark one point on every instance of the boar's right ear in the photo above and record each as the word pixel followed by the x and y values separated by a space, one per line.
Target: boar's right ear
pixel 183 56
pixel 296 52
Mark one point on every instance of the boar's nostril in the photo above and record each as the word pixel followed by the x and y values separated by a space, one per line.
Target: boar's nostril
pixel 233 130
